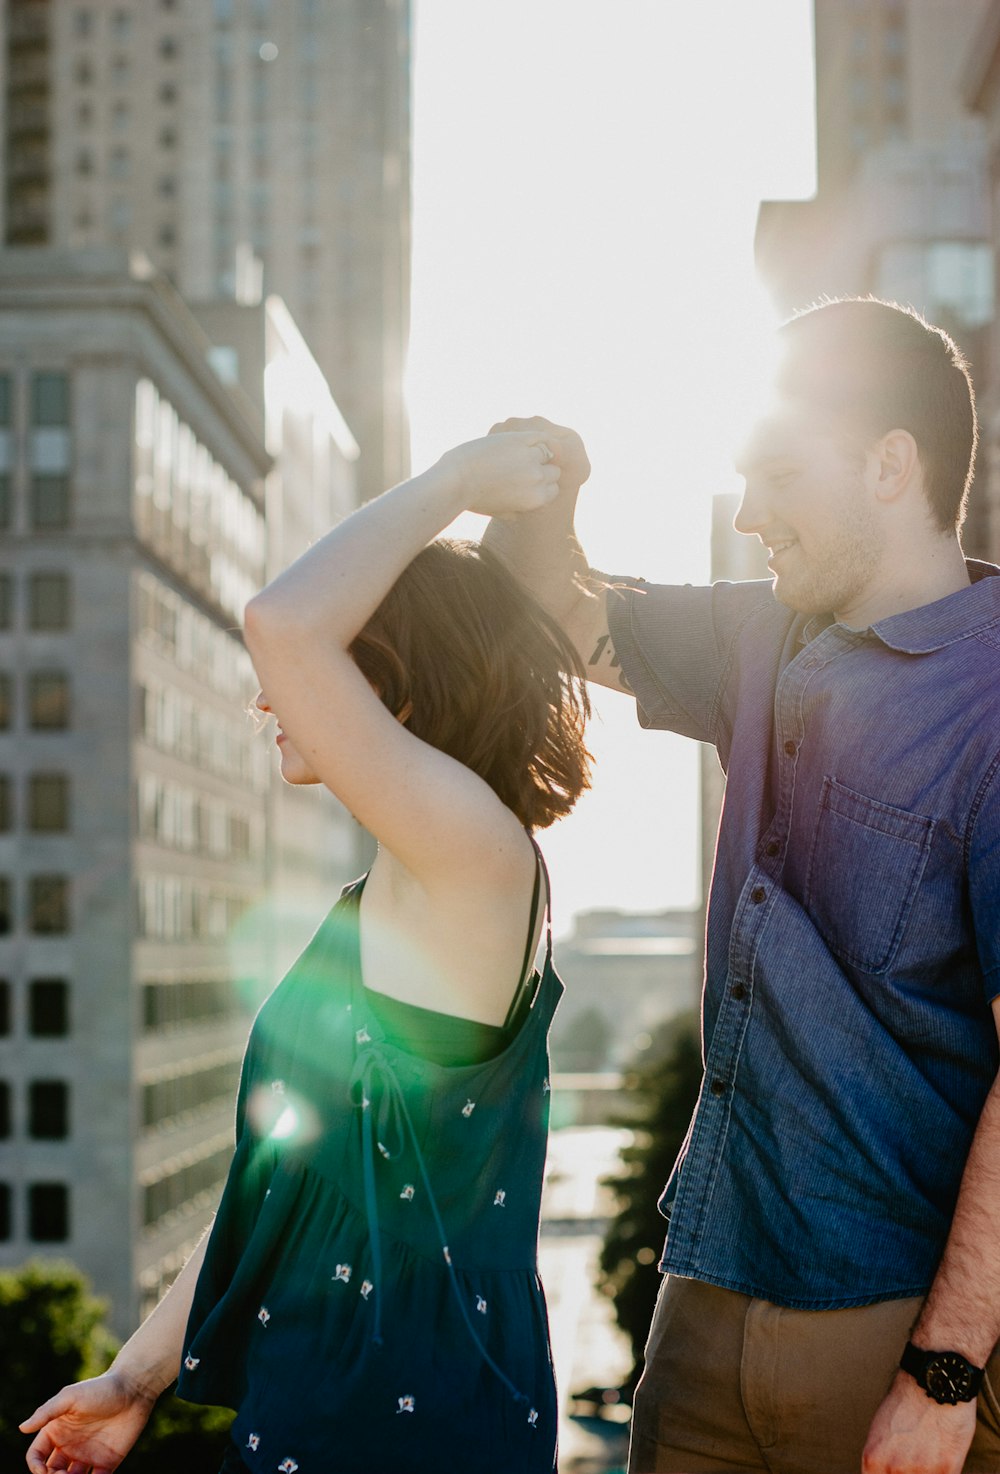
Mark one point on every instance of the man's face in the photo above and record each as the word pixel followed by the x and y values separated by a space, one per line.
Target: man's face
pixel 806 499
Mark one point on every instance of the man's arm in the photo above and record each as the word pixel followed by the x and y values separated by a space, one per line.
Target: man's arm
pixel 543 552
pixel 911 1431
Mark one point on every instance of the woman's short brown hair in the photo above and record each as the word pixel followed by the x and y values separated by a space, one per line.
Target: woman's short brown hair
pixel 474 665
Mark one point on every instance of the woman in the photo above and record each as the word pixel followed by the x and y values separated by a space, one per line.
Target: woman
pixel 368 1298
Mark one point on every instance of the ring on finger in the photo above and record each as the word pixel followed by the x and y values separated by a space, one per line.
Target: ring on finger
pixel 547 453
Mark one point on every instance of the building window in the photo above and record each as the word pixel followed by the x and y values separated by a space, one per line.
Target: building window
pixel 121 25
pixel 48 803
pixel 83 22
pixel 5 1213
pixel 50 399
pixel 5 1012
pixel 84 162
pixel 48 1008
pixel 6 601
pixel 5 450
pixel 84 74
pixel 48 1110
pixel 167 186
pixel 118 164
pixel 5 701
pixel 48 1212
pixel 49 502
pixel 168 47
pixel 48 905
pixel 168 138
pixel 168 235
pixel 119 118
pixel 6 917
pixel 168 93
pixel 5 1124
pixel 48 601
pixel 6 804
pixel 48 701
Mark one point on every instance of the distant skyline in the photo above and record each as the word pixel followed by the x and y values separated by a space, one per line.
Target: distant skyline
pixel 586 180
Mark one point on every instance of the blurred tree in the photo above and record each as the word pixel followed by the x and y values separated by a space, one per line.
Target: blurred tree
pixel 583 1045
pixel 52 1332
pixel 662 1085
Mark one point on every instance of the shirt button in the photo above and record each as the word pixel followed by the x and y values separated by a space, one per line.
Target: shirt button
pixel 718 1087
pixel 758 894
pixel 738 992
pixel 772 848
pixel 790 748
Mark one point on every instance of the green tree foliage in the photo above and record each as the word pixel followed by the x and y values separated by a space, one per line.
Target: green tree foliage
pixel 52 1332
pixel 583 1044
pixel 662 1086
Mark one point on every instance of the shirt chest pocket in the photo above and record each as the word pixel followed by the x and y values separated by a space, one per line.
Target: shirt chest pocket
pixel 865 866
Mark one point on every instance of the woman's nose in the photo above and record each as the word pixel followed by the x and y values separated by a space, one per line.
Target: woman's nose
pixel 260 702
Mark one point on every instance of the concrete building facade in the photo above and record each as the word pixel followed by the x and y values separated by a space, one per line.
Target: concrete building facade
pixel 138 862
pixel 248 147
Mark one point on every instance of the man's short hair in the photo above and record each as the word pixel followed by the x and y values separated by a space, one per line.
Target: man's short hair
pixel 883 367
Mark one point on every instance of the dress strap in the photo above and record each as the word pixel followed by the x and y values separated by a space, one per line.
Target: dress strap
pixel 521 998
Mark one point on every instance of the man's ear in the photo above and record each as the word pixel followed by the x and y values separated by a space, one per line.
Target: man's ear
pixel 893 463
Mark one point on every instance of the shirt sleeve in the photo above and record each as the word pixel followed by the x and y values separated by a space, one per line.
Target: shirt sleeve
pixel 984 879
pixel 677 644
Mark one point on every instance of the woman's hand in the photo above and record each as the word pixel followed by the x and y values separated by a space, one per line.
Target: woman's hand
pixel 89 1427
pixel 502 474
pixel 570 452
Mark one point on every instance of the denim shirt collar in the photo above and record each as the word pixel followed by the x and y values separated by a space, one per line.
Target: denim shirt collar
pixel 931 627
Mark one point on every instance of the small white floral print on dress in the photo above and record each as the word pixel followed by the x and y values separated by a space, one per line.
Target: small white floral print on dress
pixel 191 1362
pixel 406 1405
pixel 287 1466
pixel 343 1272
pixel 366 1289
pixel 383 1149
pixel 263 1315
pixel 253 1442
pixel 546 1087
pixel 500 1198
pixel 468 1108
pixel 533 1417
pixel 407 1193
pixel 362 1036
pixel 278 1087
pixel 447 1254
pixel 480 1305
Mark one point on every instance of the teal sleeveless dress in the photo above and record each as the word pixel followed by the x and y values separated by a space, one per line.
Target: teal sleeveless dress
pixel 370 1299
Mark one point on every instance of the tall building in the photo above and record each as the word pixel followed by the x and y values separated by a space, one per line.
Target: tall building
pixel 143 832
pixel 902 207
pixel 247 147
pixel 981 91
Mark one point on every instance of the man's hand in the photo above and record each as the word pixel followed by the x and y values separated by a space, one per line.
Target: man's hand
pixel 571 456
pixel 913 1434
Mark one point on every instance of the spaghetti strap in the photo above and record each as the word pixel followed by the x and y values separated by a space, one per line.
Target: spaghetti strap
pixel 522 997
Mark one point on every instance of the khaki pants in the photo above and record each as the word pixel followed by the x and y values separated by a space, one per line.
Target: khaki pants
pixel 734 1384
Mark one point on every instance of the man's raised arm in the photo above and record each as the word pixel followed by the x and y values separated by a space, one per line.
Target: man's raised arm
pixel 542 551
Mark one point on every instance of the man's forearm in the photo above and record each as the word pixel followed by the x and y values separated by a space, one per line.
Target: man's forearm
pixel 962 1310
pixel 543 553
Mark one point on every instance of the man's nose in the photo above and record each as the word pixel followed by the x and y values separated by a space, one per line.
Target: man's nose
pixel 753 511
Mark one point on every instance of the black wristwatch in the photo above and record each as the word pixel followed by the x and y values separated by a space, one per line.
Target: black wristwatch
pixel 947 1376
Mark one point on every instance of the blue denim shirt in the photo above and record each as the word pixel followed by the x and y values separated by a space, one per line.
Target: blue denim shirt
pixel 853 942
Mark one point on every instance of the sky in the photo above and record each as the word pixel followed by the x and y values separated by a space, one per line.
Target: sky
pixel 586 178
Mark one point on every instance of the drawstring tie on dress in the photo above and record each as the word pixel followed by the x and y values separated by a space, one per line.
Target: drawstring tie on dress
pixel 376 1092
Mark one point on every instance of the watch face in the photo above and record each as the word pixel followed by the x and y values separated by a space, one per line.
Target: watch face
pixel 948 1377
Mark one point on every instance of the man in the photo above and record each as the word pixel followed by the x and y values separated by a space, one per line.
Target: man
pixel 834 1216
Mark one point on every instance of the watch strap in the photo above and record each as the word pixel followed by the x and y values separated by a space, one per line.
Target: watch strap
pixel 926 1366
